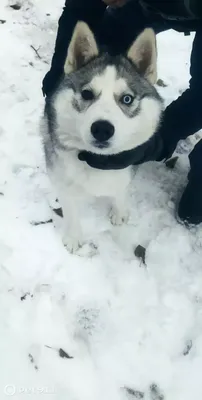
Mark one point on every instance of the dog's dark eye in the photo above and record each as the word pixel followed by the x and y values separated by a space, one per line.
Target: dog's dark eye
pixel 87 95
pixel 127 99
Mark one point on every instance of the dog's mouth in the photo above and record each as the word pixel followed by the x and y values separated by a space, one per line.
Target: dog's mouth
pixel 100 145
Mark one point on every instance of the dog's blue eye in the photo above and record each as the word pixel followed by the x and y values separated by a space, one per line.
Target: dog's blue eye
pixel 127 99
pixel 87 95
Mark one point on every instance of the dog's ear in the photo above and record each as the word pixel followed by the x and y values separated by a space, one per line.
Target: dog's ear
pixel 143 54
pixel 82 48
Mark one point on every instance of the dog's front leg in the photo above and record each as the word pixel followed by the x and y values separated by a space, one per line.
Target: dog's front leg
pixel 71 230
pixel 119 212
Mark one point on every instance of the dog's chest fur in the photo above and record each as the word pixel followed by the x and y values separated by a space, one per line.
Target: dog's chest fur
pixel 79 176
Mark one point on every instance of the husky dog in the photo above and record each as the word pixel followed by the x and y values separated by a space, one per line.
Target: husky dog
pixel 104 105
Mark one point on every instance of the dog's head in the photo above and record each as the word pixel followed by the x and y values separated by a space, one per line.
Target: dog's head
pixel 107 104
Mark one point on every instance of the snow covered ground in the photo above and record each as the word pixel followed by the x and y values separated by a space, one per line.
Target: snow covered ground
pixel 121 324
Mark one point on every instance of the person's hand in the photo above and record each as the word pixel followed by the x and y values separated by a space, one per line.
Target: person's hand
pixel 115 3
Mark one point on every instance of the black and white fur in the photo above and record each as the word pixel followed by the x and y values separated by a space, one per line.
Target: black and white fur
pixel 95 88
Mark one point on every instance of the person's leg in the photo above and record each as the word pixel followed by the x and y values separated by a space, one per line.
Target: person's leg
pixel 190 206
pixel 89 11
pixel 183 117
pixel 122 25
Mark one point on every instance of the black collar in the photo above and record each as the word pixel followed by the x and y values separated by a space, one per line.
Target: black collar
pixel 147 151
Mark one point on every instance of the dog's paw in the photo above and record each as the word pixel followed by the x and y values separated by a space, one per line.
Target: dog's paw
pixel 72 244
pixel 118 218
pixel 79 247
pixel 87 250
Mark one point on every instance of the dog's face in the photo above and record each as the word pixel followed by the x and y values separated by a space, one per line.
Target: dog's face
pixel 107 104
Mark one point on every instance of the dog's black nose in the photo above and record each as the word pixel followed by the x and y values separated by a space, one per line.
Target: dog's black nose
pixel 102 130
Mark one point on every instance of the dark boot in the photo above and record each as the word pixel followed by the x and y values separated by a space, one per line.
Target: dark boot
pixel 190 206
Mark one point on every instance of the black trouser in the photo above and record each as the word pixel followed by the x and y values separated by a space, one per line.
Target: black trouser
pixel 183 117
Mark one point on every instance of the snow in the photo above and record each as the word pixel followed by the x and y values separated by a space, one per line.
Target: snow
pixel 125 324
